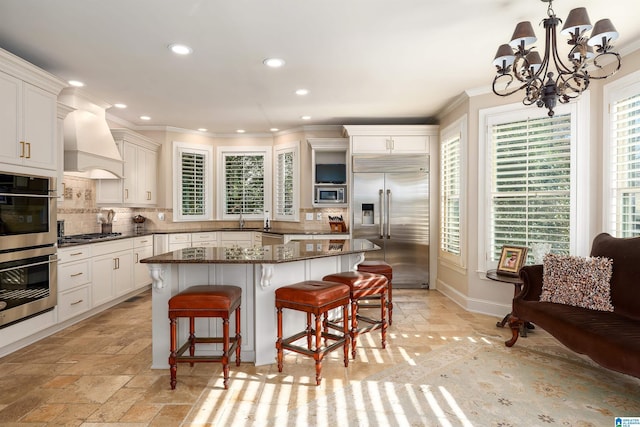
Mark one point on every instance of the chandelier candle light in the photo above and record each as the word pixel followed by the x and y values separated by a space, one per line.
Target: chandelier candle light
pixel 520 66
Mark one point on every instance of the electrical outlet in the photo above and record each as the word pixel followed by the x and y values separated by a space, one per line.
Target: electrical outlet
pixel 309 216
pixel 161 216
pixel 318 216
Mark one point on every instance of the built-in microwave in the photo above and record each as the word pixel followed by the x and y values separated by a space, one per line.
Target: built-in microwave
pixel 27 211
pixel 330 195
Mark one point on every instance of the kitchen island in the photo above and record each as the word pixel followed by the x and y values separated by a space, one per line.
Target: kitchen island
pixel 259 271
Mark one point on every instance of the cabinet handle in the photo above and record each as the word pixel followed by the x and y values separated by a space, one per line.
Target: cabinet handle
pixel 137 257
pixel 28 144
pixel 75 254
pixel 22 149
pixel 148 195
pixel 76 275
pixel 116 263
pixel 126 193
pixel 77 302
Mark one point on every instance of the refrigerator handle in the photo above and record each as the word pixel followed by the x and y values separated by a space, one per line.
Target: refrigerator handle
pixel 388 213
pixel 380 210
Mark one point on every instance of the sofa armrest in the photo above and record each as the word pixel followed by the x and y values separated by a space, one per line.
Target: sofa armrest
pixel 531 276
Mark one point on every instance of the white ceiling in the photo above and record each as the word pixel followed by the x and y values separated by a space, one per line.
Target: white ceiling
pixel 364 61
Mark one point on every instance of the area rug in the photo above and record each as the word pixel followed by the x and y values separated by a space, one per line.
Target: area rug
pixel 479 384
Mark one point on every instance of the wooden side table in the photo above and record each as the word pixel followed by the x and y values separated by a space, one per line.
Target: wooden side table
pixel 517 287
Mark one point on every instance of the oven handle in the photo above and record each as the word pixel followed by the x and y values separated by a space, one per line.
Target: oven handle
pixel 51 261
pixel 38 196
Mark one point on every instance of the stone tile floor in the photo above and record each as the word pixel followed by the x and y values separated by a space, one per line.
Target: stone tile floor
pixel 98 373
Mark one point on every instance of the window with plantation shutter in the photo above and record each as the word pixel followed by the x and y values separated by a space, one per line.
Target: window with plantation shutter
pixel 451 191
pixel 624 159
pixel 193 185
pixel 245 190
pixel 535 180
pixel 286 183
pixel 530 181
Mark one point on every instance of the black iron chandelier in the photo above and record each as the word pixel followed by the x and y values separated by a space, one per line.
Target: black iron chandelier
pixel 590 57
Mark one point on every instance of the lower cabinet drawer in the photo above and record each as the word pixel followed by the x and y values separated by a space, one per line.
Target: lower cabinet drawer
pixel 74 302
pixel 73 274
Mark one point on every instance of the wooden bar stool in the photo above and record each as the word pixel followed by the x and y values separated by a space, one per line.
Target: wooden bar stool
pixel 362 285
pixel 313 297
pixel 205 301
pixel 380 267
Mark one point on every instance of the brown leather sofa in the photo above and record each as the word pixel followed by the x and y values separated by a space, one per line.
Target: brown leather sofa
pixel 612 339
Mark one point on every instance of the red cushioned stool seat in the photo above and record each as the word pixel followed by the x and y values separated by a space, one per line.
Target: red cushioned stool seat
pixel 363 285
pixel 217 301
pixel 317 298
pixel 379 267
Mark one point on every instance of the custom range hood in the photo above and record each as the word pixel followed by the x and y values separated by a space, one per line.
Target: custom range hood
pixel 89 147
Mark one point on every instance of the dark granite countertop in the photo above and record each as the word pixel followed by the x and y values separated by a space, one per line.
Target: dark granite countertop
pixel 68 243
pixel 272 254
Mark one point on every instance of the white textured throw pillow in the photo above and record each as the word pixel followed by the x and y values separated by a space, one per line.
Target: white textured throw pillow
pixel 577 281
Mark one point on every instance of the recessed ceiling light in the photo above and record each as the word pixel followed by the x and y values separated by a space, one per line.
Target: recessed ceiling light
pixel 240 131
pixel 305 117
pixel 302 92
pixel 274 129
pixel 76 83
pixel 273 62
pixel 145 118
pixel 180 49
pixel 119 105
pixel 202 129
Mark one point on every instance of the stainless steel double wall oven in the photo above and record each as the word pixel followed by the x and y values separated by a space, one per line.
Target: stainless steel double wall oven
pixel 28 273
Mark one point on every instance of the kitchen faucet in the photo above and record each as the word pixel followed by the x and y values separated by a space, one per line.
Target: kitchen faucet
pixel 241 221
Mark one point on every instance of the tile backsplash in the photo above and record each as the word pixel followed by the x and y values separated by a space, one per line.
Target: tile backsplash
pixel 79 210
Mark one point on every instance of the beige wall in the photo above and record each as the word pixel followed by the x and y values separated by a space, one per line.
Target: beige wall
pixel 468 286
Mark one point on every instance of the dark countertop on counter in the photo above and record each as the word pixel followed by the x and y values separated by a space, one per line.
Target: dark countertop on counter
pixel 64 244
pixel 298 250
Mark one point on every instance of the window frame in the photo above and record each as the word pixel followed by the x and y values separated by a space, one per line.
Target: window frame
pixel 294 148
pixel 207 152
pixel 624 87
pixel 221 153
pixel 457 129
pixel 580 177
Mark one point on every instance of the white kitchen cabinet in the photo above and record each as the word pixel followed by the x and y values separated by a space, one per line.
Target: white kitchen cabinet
pixel 179 241
pixel 400 139
pixel 242 239
pixel 204 239
pixel 74 281
pixel 139 185
pixel 112 270
pixel 142 248
pixel 28 125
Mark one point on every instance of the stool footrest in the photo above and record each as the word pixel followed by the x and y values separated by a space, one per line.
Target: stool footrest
pixel 209 358
pixel 307 352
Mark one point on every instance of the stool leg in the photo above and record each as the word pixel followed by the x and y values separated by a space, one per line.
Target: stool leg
pixel 383 312
pixel 192 338
pixel 309 337
pixel 390 304
pixel 345 333
pixel 317 355
pixel 173 366
pixel 238 337
pixel 354 326
pixel 325 327
pixel 225 351
pixel 279 340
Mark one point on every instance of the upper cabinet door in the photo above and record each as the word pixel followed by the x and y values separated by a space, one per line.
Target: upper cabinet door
pixel 27 124
pixel 10 105
pixel 39 127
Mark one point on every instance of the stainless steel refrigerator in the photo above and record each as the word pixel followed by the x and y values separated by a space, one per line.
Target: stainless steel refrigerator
pixel 390 207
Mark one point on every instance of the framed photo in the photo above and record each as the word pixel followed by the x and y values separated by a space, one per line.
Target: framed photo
pixel 511 260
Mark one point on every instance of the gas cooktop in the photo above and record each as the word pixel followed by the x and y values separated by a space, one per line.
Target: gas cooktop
pixel 85 238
